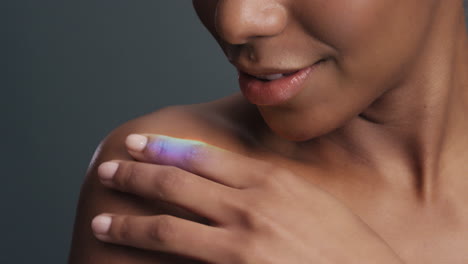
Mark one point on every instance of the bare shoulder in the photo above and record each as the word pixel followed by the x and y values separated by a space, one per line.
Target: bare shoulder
pixel 227 123
pixel 224 123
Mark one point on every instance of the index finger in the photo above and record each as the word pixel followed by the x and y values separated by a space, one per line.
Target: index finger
pixel 211 162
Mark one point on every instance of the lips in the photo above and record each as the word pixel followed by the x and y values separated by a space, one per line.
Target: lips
pixel 274 88
pixel 272 77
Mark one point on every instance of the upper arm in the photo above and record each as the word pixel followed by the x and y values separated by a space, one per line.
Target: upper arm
pixel 96 199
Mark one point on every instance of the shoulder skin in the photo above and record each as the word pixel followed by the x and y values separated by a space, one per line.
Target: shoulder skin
pixel 203 122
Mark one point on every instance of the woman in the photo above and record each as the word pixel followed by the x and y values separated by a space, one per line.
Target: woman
pixel 347 145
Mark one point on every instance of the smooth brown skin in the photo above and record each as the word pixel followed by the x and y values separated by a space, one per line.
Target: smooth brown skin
pixel 252 207
pixel 381 126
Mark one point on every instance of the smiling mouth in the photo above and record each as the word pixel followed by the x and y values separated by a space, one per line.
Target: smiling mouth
pixel 276 76
pixel 272 77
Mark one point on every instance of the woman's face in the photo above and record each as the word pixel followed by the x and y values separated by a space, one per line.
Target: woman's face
pixel 357 50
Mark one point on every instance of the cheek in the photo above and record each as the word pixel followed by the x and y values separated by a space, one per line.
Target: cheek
pixel 346 26
pixel 375 41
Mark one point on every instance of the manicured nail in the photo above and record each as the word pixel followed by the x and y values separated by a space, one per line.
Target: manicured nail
pixel 106 170
pixel 136 142
pixel 101 224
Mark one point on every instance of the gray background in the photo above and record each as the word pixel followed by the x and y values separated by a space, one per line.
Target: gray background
pixel 71 71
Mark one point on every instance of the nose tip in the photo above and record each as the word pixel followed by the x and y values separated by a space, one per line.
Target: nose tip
pixel 237 21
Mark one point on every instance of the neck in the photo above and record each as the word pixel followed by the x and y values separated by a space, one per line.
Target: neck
pixel 419 126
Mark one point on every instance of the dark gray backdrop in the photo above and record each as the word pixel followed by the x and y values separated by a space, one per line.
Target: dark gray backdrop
pixel 71 71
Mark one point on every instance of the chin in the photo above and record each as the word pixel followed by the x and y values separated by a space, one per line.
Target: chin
pixel 300 126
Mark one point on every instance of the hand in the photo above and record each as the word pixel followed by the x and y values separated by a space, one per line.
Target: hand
pixel 259 213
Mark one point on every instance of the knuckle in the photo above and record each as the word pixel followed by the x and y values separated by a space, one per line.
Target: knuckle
pixel 191 155
pixel 121 230
pixel 126 178
pixel 253 213
pixel 246 211
pixel 251 217
pixel 168 181
pixel 235 207
pixel 162 229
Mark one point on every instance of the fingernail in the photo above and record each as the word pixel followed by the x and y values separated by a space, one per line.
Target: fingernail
pixel 106 170
pixel 136 142
pixel 101 224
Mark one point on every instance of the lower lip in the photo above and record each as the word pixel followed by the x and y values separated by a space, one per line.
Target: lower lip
pixel 273 92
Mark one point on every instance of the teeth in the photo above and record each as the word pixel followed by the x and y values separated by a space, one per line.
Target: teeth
pixel 271 77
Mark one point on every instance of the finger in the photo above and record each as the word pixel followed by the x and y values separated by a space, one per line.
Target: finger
pixel 205 160
pixel 163 233
pixel 170 184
